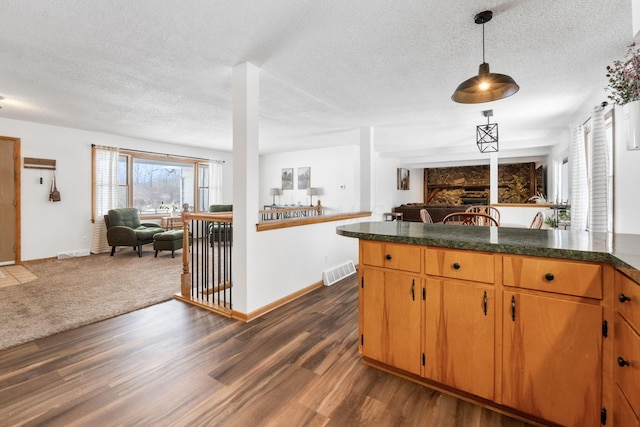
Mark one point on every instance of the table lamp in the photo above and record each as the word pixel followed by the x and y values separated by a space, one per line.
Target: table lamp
pixel 274 192
pixel 311 191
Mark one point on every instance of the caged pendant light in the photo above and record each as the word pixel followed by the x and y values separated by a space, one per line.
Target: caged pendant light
pixel 486 86
pixel 487 135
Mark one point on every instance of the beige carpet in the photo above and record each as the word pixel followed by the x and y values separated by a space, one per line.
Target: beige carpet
pixel 77 291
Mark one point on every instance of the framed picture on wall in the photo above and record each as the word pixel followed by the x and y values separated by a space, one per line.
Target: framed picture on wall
pixel 403 179
pixel 304 178
pixel 287 179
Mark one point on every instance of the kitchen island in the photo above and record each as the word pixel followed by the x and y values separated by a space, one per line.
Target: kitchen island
pixel 539 324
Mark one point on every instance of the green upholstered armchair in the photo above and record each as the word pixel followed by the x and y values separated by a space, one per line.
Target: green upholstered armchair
pixel 218 231
pixel 125 229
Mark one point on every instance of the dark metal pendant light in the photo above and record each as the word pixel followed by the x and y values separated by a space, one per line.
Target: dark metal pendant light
pixel 486 86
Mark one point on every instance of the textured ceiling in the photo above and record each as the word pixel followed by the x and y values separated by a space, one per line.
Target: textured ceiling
pixel 161 70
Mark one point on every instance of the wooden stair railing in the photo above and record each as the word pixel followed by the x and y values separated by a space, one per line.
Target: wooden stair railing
pixel 206 279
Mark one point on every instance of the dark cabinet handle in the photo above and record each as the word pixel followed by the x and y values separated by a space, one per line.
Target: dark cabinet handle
pixel 456 266
pixel 622 363
pixel 549 276
pixel 623 298
pixel 388 257
pixel 413 290
pixel 484 303
pixel 513 308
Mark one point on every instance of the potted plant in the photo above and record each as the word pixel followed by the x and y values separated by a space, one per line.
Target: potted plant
pixel 624 78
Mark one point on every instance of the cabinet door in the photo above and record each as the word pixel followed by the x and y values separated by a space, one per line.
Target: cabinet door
pixel 468 328
pixel 433 347
pixel 391 319
pixel 626 370
pixel 552 355
pixel 623 415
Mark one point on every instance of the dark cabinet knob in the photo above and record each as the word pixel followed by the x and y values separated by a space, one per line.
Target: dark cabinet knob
pixel 388 257
pixel 623 298
pixel 549 276
pixel 456 266
pixel 622 363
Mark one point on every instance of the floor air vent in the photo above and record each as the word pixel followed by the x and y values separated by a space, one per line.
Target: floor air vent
pixel 337 273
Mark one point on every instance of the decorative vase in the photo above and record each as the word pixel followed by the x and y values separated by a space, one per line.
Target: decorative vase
pixel 631 118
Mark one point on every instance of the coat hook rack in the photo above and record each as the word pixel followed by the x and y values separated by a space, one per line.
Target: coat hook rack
pixel 33 163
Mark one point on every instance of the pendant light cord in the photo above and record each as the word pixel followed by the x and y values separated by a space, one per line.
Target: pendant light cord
pixel 483 61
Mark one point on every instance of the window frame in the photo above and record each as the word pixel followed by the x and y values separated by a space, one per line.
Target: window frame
pixel 196 163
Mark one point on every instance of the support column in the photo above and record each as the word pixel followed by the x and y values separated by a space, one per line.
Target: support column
pixel 367 178
pixel 493 178
pixel 246 97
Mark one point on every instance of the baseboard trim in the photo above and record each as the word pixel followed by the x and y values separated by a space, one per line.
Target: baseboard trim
pixel 278 303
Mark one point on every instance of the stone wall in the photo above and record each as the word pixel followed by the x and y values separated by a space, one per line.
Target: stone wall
pixel 464 184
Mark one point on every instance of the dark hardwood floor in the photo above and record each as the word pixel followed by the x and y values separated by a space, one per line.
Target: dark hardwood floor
pixel 175 365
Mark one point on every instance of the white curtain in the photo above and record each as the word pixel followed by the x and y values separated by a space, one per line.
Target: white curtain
pixel 599 172
pixel 105 193
pixel 215 182
pixel 579 187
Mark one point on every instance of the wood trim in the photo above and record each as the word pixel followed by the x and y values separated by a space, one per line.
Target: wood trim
pixel 296 222
pixel 524 205
pixel 93 184
pixel 203 305
pixel 278 303
pixel 17 190
pixel 18 197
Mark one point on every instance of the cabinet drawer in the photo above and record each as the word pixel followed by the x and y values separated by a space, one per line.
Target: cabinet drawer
pixel 627 350
pixel 550 275
pixel 465 265
pixel 391 255
pixel 630 308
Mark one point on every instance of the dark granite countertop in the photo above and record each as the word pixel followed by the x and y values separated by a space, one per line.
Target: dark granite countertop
pixel 620 250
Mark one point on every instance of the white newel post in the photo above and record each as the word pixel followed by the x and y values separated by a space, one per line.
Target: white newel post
pixel 631 118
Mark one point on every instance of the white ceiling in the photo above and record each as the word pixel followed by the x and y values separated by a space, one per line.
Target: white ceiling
pixel 161 69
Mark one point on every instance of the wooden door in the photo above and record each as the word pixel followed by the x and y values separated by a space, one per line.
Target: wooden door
pixel 391 319
pixel 468 337
pixel 552 357
pixel 9 200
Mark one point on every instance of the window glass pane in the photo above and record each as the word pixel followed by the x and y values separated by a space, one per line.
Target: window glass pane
pixel 122 170
pixel 123 196
pixel 564 181
pixel 203 204
pixel 160 186
pixel 203 175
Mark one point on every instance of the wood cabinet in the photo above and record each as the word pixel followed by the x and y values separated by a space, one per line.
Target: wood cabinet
pixel 463 357
pixel 523 334
pixel 460 320
pixel 552 349
pixel 626 353
pixel 552 341
pixel 391 306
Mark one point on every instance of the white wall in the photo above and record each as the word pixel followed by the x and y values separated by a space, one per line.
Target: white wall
pixel 294 258
pixel 521 216
pixel 387 195
pixel 626 166
pixel 334 171
pixel 49 229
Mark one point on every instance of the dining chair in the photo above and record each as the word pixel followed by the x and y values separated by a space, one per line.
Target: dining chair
pixel 425 217
pixel 487 210
pixel 538 220
pixel 470 218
